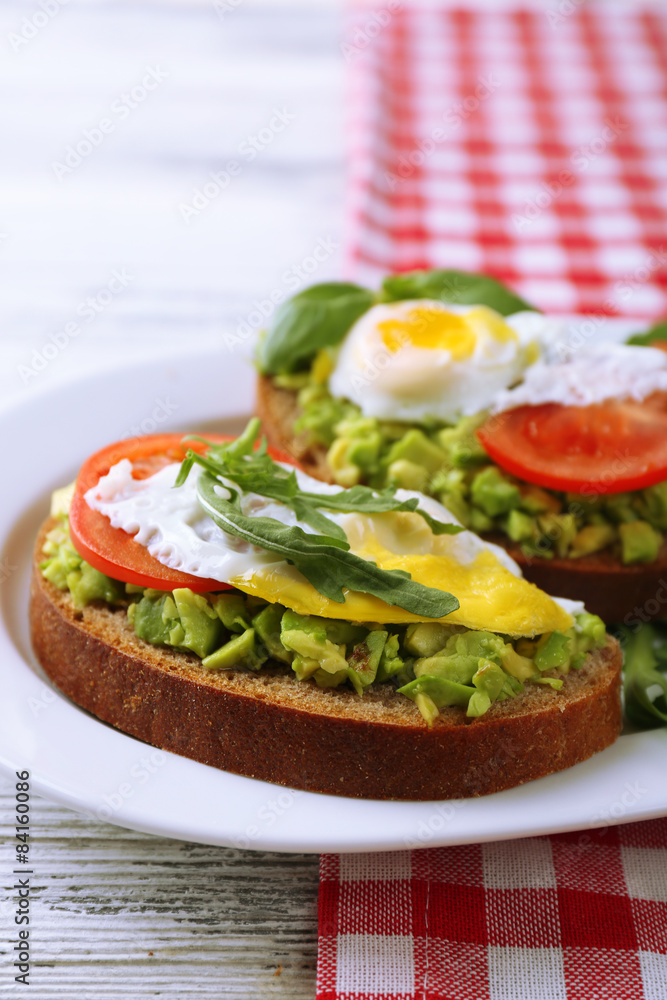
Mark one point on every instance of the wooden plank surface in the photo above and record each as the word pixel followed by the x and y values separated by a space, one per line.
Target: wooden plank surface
pixel 121 914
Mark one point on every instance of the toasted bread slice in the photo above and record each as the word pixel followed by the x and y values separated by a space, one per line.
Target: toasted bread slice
pixel 271 726
pixel 615 592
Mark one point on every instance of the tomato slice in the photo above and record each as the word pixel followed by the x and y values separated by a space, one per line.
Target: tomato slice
pixel 114 551
pixel 603 448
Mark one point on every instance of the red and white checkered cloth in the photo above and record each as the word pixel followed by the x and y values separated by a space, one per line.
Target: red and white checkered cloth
pixel 526 143
pixel 575 916
pixel 530 144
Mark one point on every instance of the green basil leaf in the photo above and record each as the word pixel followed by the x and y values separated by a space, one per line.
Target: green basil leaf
pixel 322 559
pixel 657 332
pixel 319 316
pixel 458 287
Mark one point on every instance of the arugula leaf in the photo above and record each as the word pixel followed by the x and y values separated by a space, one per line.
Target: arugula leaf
pixel 323 560
pixel 657 332
pixel 644 677
pixel 319 316
pixel 453 286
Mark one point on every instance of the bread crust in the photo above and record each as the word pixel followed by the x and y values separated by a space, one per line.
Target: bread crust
pixel 275 728
pixel 615 592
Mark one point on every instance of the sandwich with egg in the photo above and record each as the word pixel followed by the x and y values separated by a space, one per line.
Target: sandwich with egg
pixel 208 597
pixel 450 384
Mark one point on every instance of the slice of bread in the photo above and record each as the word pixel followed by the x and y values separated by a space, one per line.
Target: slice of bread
pixel 271 726
pixel 615 592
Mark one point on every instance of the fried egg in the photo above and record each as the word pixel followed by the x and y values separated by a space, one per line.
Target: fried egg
pixel 175 529
pixel 420 359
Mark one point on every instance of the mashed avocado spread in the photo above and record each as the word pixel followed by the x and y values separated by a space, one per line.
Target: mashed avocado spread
pixel 433 664
pixel 449 463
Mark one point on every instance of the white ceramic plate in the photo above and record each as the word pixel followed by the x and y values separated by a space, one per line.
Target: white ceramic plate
pixel 96 770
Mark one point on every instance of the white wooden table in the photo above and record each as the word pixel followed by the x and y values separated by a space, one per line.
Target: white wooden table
pixel 118 913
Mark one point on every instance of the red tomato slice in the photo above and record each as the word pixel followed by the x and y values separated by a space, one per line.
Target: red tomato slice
pixel 603 448
pixel 114 551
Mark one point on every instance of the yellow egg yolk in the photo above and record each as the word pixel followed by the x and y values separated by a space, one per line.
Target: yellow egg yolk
pixel 490 597
pixel 439 330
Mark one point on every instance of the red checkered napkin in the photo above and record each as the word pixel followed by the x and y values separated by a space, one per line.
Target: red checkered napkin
pixel 530 144
pixel 526 143
pixel 579 916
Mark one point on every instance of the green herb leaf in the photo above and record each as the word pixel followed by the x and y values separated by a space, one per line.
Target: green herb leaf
pixel 318 317
pixel 457 287
pixel 657 332
pixel 644 682
pixel 323 560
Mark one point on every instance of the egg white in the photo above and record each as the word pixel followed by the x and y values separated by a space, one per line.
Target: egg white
pixel 411 383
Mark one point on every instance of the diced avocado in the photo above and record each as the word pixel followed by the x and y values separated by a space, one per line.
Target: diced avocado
pixel 427 707
pixel 486 645
pixel 655 505
pixel 321 415
pixel 364 660
pixel 230 607
pixel 520 527
pixel 61 500
pixel 489 681
pixel 149 620
pixel 426 638
pixel 591 539
pixel 560 529
pixel 554 652
pixel 391 664
pixel 477 520
pixel 618 507
pixel 304 667
pixel 322 366
pixel 441 691
pixel 238 652
pixel 324 679
pixel 554 682
pixel 365 451
pixel 87 584
pixel 460 443
pixel 343 633
pixel 307 637
pixel 535 500
pixel 345 472
pixel 639 542
pixel 449 485
pixel 520 667
pixel 201 626
pixel 416 448
pixel 458 668
pixel 491 491
pixel 407 475
pixel 590 632
pixel 294 382
pixel 267 628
